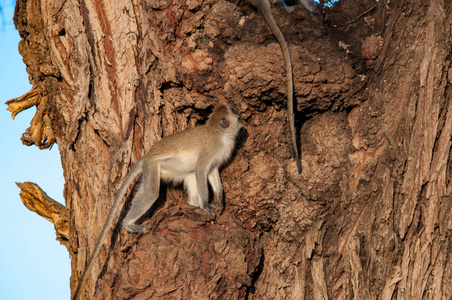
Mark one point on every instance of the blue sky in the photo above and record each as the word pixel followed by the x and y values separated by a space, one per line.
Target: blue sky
pixel 33 265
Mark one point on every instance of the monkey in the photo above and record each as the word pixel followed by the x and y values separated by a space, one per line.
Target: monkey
pixel 265 9
pixel 193 157
pixel 310 5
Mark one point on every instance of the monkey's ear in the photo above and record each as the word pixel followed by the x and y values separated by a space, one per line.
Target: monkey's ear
pixel 224 123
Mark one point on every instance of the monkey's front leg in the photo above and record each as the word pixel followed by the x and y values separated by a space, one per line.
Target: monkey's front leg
pixel 192 190
pixel 217 187
pixel 203 190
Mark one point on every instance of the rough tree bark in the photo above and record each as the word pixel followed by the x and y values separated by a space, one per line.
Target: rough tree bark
pixel 368 218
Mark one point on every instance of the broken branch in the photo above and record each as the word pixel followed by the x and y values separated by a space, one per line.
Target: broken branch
pixel 35 199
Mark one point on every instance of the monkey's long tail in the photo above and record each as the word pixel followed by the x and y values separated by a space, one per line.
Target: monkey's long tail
pixel 136 171
pixel 289 75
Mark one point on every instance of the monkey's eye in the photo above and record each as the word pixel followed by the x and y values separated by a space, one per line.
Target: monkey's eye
pixel 224 123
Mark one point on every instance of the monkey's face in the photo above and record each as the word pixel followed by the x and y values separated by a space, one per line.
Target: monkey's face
pixel 226 120
pixel 237 114
pixel 234 121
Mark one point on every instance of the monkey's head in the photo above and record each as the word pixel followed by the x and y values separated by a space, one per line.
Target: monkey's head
pixel 225 119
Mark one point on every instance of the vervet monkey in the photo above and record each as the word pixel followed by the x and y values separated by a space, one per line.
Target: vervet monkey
pixel 192 156
pixel 265 9
pixel 310 5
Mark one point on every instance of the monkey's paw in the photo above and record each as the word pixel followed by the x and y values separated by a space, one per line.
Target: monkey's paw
pixel 136 228
pixel 210 211
pixel 218 207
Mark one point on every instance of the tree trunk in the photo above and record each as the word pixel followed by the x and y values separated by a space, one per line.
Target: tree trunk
pixel 369 216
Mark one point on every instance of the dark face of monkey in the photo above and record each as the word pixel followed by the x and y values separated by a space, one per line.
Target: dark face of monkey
pixel 225 118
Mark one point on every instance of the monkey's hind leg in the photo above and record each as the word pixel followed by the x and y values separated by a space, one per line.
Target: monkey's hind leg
pixel 148 193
